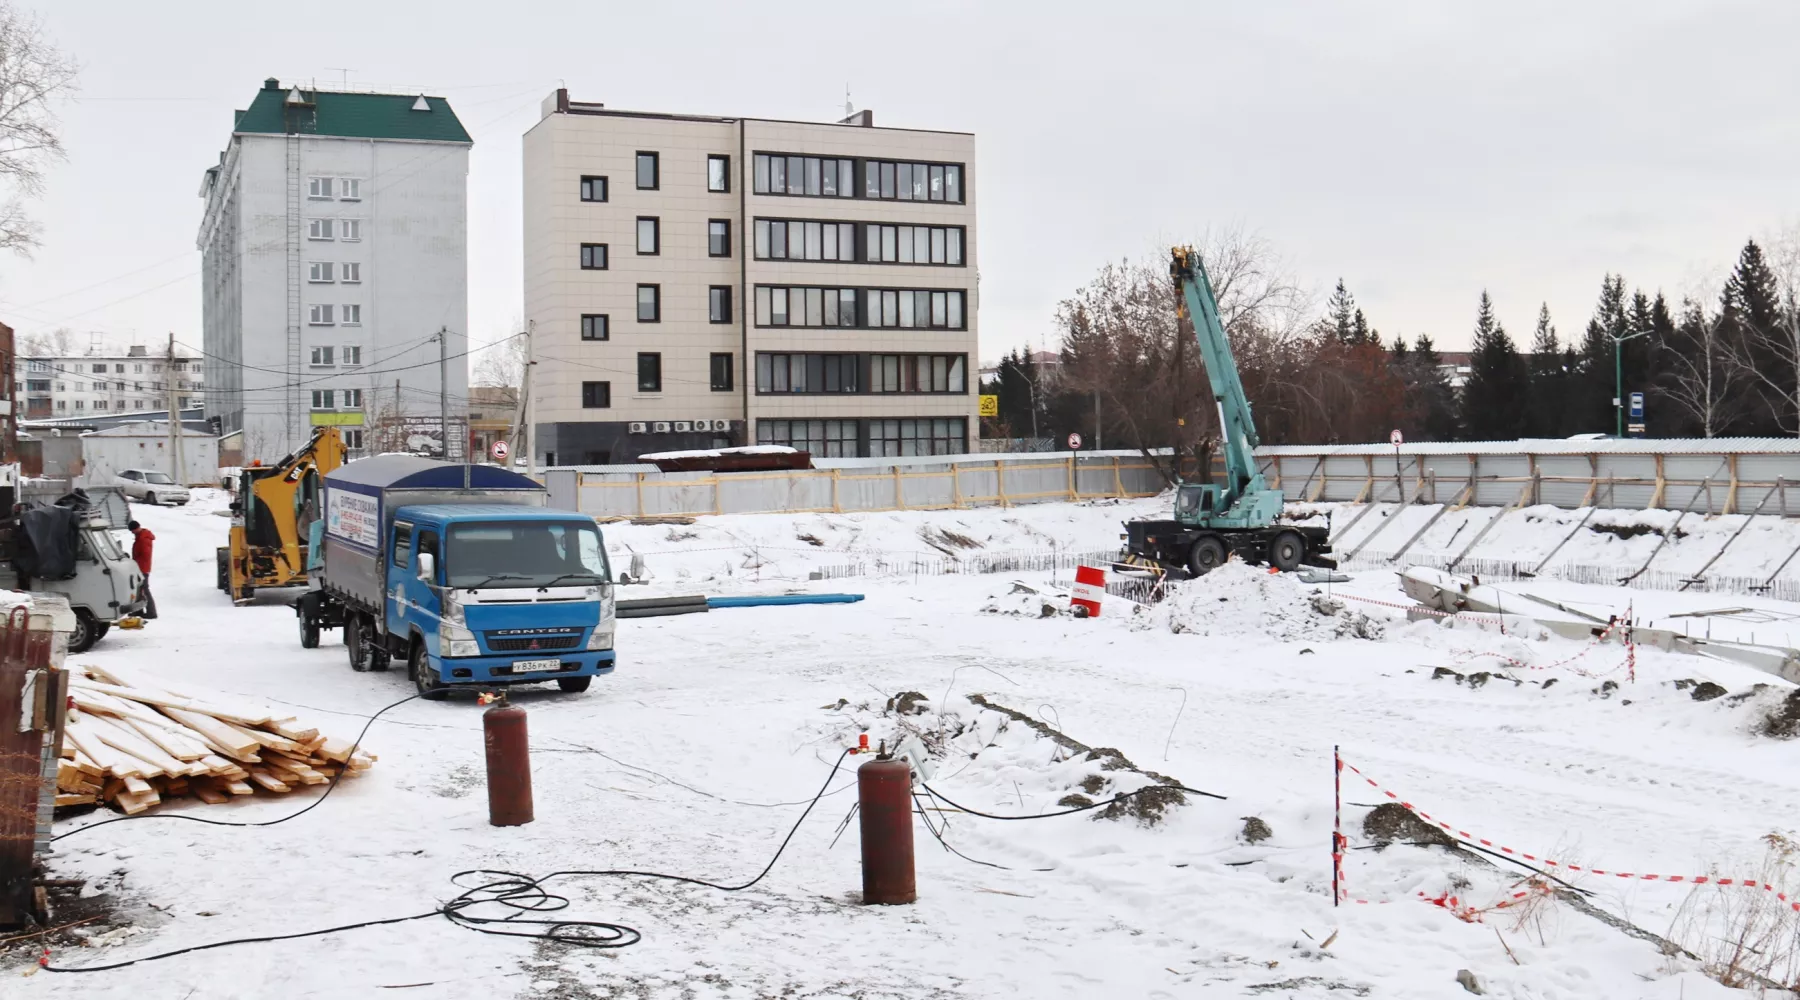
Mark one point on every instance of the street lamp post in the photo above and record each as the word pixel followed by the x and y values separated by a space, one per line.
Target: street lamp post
pixel 1619 380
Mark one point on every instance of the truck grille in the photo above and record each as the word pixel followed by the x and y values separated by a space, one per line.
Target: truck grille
pixel 521 644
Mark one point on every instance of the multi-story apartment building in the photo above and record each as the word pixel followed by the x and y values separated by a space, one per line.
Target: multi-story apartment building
pixel 335 246
pixel 694 281
pixel 106 383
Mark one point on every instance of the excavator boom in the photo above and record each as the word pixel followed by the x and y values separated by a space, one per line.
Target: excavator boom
pixel 275 505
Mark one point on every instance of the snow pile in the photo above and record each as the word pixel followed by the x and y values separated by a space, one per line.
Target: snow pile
pixel 1241 600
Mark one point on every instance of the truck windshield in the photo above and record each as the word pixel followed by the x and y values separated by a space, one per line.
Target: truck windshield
pixel 525 554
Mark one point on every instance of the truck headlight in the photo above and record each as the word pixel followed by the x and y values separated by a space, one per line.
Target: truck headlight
pixel 453 609
pixel 600 638
pixel 455 640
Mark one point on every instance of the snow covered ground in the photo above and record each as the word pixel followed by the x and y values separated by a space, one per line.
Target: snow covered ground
pixel 699 753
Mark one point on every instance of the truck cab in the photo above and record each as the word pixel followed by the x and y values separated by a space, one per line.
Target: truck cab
pixel 483 594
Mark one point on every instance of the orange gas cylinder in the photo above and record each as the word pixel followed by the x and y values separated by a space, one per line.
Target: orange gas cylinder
pixel 508 764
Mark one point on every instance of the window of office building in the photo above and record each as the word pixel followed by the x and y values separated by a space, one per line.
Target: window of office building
pixel 921 436
pixel 352 272
pixel 352 354
pixel 593 256
pixel 322 355
pixel 718 304
pixel 318 229
pixel 822 177
pixel 649 372
pixel 807 373
pixel 913 244
pixel 912 181
pixel 648 175
pixel 946 373
pixel 324 399
pixel 353 399
pixel 596 395
pixel 790 306
pixel 721 373
pixel 830 438
pixel 718 238
pixel 921 308
pixel 649 303
pixel 595 326
pixel 593 189
pixel 649 235
pixel 802 239
pixel 718 173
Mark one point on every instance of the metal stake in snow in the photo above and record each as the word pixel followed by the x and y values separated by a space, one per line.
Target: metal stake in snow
pixel 1337 824
pixel 1089 589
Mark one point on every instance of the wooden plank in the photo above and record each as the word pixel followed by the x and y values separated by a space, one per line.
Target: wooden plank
pixel 169 702
pixel 138 786
pixel 239 787
pixel 269 739
pixel 175 745
pixel 268 781
pixel 133 803
pixel 75 799
pixel 116 734
pixel 205 792
pixel 335 749
pixel 108 759
pixel 292 730
pixel 217 731
pixel 86 765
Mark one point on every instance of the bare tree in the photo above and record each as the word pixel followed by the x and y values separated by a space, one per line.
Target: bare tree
pixel 32 74
pixel 1699 375
pixel 500 364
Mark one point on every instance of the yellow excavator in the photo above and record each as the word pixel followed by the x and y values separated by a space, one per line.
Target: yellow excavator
pixel 270 516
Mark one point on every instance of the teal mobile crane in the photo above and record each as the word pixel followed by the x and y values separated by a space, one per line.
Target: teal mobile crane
pixel 1240 516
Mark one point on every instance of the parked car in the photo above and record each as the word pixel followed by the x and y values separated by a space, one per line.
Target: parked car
pixel 151 486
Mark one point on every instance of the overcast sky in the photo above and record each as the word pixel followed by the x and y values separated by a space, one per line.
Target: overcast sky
pixel 1421 150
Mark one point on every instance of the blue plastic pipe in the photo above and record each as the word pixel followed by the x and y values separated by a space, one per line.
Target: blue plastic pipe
pixel 757 602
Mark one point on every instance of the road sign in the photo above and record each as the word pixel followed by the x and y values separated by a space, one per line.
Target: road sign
pixel 990 406
pixel 1074 442
pixel 499 451
pixel 1635 430
pixel 1395 439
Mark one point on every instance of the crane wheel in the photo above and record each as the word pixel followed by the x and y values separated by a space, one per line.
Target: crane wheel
pixel 1286 551
pixel 1207 553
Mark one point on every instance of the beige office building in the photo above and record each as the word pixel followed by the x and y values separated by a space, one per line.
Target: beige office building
pixel 695 281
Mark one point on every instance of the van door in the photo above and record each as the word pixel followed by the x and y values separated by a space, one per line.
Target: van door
pixel 399 572
pixel 427 593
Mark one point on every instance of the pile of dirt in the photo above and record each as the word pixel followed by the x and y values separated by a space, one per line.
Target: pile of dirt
pixel 1237 599
pixel 1393 823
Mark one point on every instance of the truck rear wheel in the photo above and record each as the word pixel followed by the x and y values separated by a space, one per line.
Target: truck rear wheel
pixel 309 631
pixel 1286 551
pixel 1205 555
pixel 431 687
pixel 574 685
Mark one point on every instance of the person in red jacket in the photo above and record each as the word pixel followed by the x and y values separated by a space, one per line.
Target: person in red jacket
pixel 142 542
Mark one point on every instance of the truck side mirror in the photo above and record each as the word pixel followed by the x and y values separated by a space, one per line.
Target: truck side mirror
pixel 427 564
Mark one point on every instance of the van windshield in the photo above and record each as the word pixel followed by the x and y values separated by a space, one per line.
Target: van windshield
pixel 525 554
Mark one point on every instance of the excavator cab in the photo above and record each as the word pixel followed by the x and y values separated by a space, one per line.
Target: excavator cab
pixel 276 506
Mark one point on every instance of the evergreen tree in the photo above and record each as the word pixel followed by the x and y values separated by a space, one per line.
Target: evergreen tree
pixel 1342 314
pixel 1017 387
pixel 1436 399
pixel 1750 311
pixel 1402 355
pixel 1546 411
pixel 1593 382
pixel 1493 400
pixel 1360 333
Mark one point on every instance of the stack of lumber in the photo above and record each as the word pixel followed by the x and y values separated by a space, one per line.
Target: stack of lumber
pixel 131 742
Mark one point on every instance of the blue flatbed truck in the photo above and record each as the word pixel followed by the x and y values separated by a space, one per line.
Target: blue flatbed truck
pixel 462 573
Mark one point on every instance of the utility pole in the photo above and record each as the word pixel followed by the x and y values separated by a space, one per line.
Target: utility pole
pixel 176 465
pixel 1097 441
pixel 525 402
pixel 1619 380
pixel 443 339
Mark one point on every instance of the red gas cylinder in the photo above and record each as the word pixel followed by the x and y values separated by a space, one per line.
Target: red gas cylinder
pixel 508 764
pixel 884 795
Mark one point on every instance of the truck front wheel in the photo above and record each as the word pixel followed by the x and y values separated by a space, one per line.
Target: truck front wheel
pixel 1286 551
pixel 431 687
pixel 1205 555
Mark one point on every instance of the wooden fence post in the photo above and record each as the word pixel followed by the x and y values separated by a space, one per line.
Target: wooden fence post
pixel 640 494
pixel 956 485
pixel 1119 479
pixel 899 489
pixel 1074 494
pixel 1000 481
pixel 837 506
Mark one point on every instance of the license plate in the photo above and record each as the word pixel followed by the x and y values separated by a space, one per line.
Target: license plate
pixel 533 666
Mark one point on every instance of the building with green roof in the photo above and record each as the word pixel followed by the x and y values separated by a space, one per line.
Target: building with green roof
pixel 334 247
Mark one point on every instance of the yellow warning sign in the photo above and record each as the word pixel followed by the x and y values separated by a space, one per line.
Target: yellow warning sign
pixel 990 406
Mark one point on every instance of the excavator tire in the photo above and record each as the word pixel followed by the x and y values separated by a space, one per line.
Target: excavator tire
pixel 225 570
pixel 1286 551
pixel 1206 554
